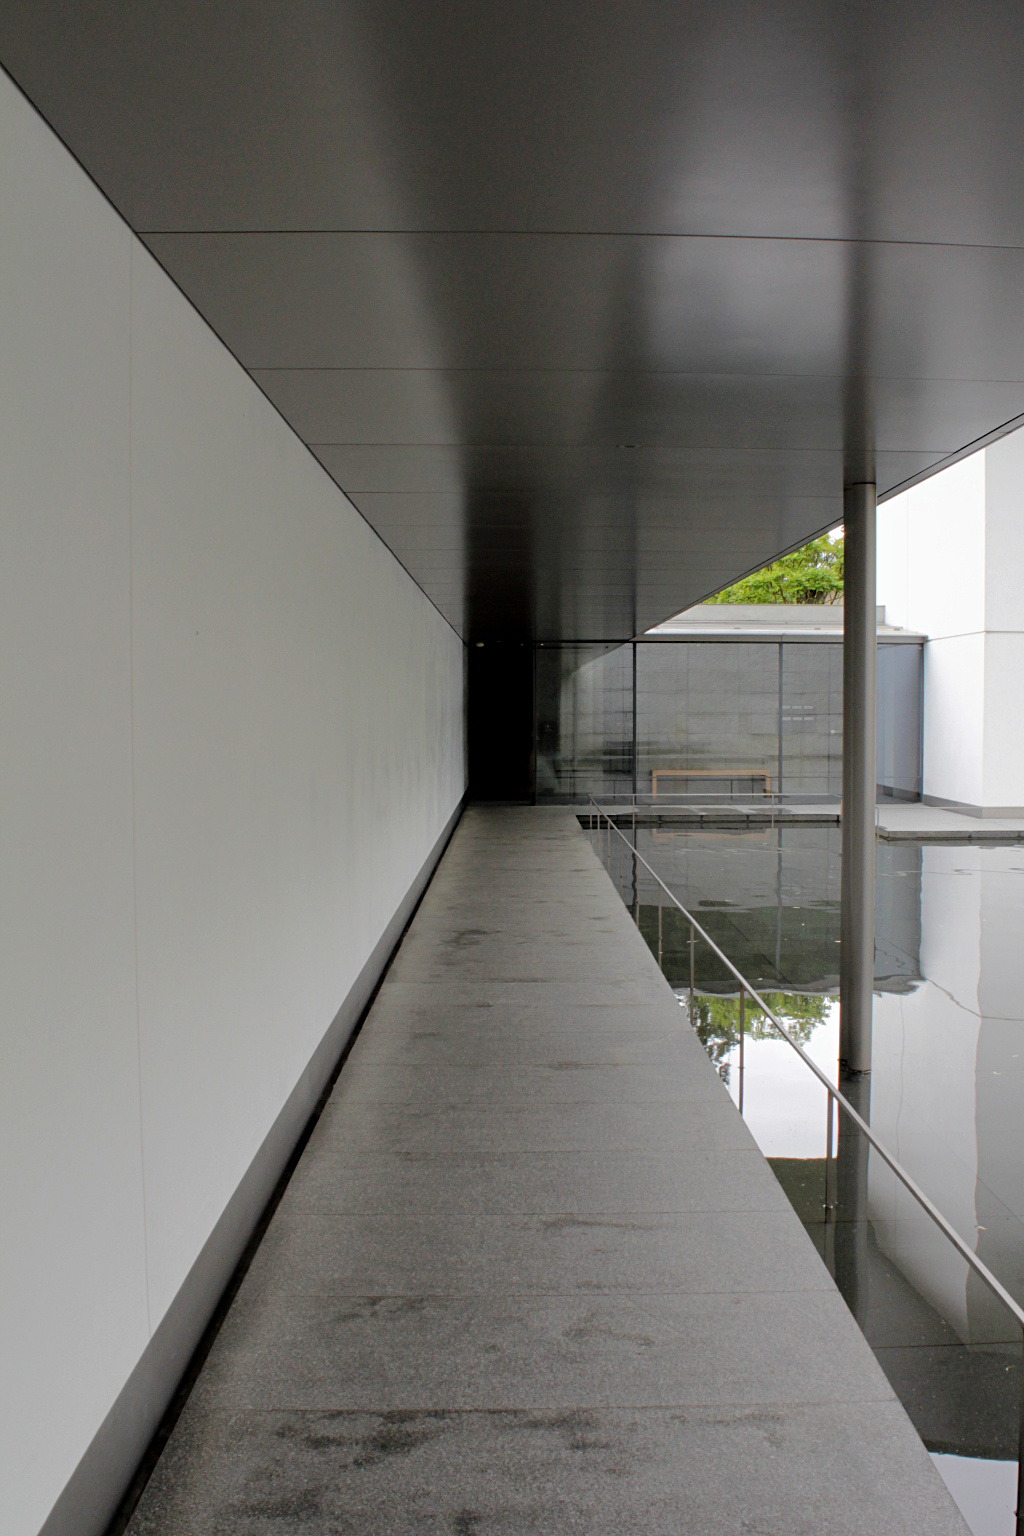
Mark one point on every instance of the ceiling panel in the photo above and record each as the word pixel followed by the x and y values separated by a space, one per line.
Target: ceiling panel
pixel 588 309
pixel 519 301
pixel 892 119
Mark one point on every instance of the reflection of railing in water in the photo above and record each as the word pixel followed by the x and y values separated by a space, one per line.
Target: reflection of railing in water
pixel 665 806
pixel 601 820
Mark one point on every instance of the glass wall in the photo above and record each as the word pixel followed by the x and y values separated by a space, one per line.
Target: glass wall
pixel 900 719
pixel 707 718
pixel 584 721
pixel 811 700
pixel 681 718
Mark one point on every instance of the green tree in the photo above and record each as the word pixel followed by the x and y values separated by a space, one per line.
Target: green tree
pixel 813 574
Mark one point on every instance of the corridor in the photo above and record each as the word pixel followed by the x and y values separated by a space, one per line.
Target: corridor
pixel 531 1273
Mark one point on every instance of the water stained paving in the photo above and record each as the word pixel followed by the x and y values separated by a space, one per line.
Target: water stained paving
pixel 536 1314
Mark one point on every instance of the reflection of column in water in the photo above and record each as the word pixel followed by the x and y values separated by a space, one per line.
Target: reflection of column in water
pixel 778 903
pixel 851 1224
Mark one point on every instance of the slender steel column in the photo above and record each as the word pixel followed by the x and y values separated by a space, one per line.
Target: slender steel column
pixel 857 922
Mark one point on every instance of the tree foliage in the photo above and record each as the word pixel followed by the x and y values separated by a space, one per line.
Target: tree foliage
pixel 813 574
pixel 717 1020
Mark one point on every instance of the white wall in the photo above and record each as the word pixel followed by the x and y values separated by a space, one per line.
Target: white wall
pixel 950 553
pixel 931 578
pixel 949 561
pixel 1004 622
pixel 231 736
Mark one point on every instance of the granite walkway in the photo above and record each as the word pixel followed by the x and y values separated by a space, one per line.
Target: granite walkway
pixel 532 1274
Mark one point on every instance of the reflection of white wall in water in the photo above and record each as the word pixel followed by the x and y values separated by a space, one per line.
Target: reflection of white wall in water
pixel 940 1060
pixel 949 556
pixel 922 1108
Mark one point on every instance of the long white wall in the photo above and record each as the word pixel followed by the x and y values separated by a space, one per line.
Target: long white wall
pixel 230 736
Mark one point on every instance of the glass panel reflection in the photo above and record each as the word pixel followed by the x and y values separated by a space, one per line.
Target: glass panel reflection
pixel 584 722
pixel 707 718
pixel 714 719
pixel 812 720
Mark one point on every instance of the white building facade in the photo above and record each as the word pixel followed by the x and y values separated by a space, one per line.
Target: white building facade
pixel 950 565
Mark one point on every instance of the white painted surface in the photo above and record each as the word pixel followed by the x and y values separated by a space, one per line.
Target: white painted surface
pixel 73 1312
pixel 891 556
pixel 1003 749
pixel 182 583
pixel 947 529
pixel 950 553
pixel 954 719
pixel 1004 508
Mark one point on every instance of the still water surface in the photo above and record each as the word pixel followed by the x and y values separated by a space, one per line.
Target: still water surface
pixel 945 1094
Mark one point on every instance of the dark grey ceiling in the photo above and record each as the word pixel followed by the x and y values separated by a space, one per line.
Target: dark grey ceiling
pixel 588 306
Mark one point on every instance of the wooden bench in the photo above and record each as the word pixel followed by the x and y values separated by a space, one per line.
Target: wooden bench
pixel 760 783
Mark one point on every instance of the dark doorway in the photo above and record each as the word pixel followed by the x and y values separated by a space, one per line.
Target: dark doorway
pixel 501 721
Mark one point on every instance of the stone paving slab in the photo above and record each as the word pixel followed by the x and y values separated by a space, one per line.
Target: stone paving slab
pixel 915 822
pixel 532 1275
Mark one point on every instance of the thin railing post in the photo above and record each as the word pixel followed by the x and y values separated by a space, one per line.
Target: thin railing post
pixel 830 1205
pixel 743 1031
pixel 693 942
pixel 661 947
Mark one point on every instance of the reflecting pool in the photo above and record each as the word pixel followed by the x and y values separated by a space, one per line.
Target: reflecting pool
pixel 944 1095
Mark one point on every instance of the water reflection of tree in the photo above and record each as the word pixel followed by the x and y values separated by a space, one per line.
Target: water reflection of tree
pixel 717 1021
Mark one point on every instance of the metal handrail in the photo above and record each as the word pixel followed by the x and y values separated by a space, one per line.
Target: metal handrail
pixel 980 1269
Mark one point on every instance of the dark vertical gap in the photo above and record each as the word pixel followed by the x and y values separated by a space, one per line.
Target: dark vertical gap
pixel 501 720
pixel 533 726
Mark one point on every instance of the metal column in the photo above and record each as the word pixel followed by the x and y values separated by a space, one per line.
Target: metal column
pixel 857 949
